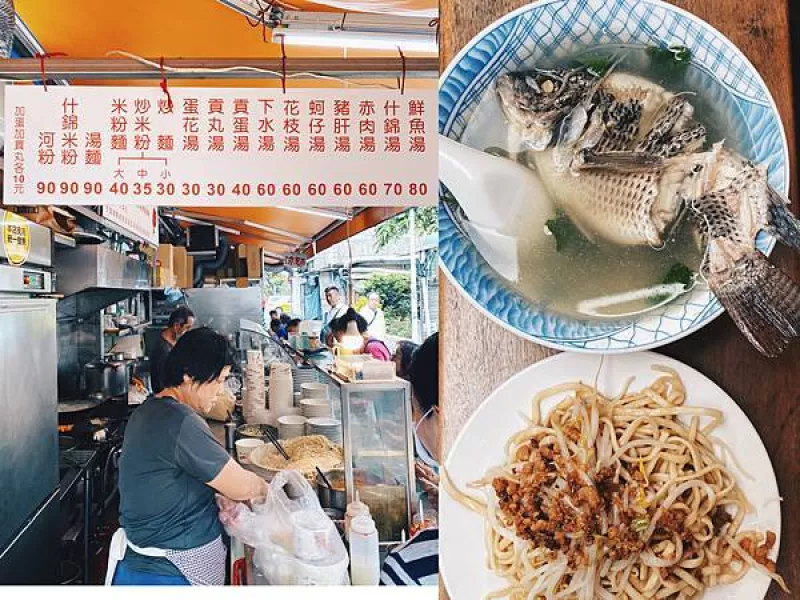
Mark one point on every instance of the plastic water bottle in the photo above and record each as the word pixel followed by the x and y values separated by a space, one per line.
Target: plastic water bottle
pixel 364 555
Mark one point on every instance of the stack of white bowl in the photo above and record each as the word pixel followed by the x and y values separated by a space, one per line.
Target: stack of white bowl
pixel 330 428
pixel 303 375
pixel 314 401
pixel 313 407
pixel 281 395
pixel 291 426
pixel 315 390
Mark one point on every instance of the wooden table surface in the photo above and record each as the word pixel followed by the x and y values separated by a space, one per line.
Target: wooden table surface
pixel 478 355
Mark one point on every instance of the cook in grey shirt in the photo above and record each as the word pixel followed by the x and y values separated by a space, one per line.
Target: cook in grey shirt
pixel 168 456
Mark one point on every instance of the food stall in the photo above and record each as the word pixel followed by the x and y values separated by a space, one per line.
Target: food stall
pixel 367 422
pixel 102 302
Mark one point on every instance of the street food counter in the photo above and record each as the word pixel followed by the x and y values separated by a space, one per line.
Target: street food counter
pixel 370 421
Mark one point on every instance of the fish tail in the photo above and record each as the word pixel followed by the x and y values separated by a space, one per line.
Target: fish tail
pixel 762 300
pixel 782 223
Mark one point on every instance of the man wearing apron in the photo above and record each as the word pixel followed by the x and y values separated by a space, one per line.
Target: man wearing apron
pixel 170 468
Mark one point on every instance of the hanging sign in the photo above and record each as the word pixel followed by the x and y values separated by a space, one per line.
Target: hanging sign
pixel 296 260
pixel 16 238
pixel 225 147
pixel 141 220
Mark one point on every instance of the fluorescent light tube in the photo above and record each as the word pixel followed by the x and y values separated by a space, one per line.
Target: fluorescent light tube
pixel 357 39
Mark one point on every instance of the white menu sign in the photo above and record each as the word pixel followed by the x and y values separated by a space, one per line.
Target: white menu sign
pixel 139 219
pixel 132 145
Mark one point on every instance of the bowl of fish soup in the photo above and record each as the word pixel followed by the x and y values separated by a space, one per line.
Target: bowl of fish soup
pixel 731 98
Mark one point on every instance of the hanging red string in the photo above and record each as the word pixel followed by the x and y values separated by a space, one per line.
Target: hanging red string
pixel 283 65
pixel 435 23
pixel 41 58
pixel 401 81
pixel 163 84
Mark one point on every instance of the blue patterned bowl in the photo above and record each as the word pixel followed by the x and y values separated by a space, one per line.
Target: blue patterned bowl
pixel 556 28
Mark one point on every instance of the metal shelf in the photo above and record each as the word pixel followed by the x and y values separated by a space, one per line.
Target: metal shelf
pixel 63 240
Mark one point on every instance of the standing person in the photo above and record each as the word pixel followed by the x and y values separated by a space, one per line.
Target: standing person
pixel 337 309
pixel 180 321
pixel 333 296
pixel 170 468
pixel 417 562
pixel 373 313
pixel 364 344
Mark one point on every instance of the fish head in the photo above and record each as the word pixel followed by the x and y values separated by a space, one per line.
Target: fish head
pixel 536 101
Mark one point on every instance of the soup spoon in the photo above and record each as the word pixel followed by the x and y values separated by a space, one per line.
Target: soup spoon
pixel 493 192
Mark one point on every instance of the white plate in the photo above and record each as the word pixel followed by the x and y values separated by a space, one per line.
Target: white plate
pixel 480 446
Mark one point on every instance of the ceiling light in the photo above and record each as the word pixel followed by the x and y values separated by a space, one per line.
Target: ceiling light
pixel 318 212
pixel 357 39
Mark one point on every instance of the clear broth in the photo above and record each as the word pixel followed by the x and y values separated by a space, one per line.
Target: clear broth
pixel 561 281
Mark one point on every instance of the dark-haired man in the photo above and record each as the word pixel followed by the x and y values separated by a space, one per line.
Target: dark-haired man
pixel 180 321
pixel 338 307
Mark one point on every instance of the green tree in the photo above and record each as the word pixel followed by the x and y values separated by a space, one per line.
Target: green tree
pixel 425 219
pixel 395 292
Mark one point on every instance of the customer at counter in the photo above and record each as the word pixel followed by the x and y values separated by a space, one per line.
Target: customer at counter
pixel 417 561
pixel 170 468
pixel 180 321
pixel 350 331
pixel 293 327
pixel 403 352
pixel 278 330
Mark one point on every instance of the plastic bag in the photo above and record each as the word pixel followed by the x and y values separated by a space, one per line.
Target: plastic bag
pixel 295 542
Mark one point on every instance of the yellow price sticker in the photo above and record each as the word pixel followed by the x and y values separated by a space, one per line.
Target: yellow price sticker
pixel 16 238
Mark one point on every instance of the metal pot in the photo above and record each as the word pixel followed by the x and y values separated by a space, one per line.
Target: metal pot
pixel 332 498
pixel 109 378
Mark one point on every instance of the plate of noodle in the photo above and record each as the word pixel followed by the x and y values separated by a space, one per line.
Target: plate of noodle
pixel 627 477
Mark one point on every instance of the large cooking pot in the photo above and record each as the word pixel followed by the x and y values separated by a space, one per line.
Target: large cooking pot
pixel 335 498
pixel 107 377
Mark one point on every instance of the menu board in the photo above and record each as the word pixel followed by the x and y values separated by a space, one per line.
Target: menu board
pixel 90 145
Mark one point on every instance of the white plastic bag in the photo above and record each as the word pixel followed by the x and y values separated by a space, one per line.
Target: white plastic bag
pixel 295 542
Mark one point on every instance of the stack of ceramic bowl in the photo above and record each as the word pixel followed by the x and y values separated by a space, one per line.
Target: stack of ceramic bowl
pixel 313 407
pixel 291 426
pixel 281 396
pixel 314 390
pixel 330 428
pixel 303 375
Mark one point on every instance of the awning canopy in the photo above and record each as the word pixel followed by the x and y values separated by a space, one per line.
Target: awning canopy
pixel 281 231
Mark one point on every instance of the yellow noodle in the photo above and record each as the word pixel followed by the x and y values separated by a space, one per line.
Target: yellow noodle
pixel 656 445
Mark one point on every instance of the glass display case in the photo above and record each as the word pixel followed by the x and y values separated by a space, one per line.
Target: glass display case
pixel 376 433
pixel 379 452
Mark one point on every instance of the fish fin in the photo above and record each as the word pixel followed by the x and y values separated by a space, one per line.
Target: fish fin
pixel 629 162
pixel 762 300
pixel 572 125
pixel 782 223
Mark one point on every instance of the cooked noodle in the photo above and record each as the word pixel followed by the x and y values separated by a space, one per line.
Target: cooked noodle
pixel 616 498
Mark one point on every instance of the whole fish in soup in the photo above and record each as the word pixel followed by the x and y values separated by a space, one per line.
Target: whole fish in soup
pixel 624 159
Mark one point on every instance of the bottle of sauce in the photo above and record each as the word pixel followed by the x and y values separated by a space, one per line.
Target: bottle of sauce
pixel 364 555
pixel 354 509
